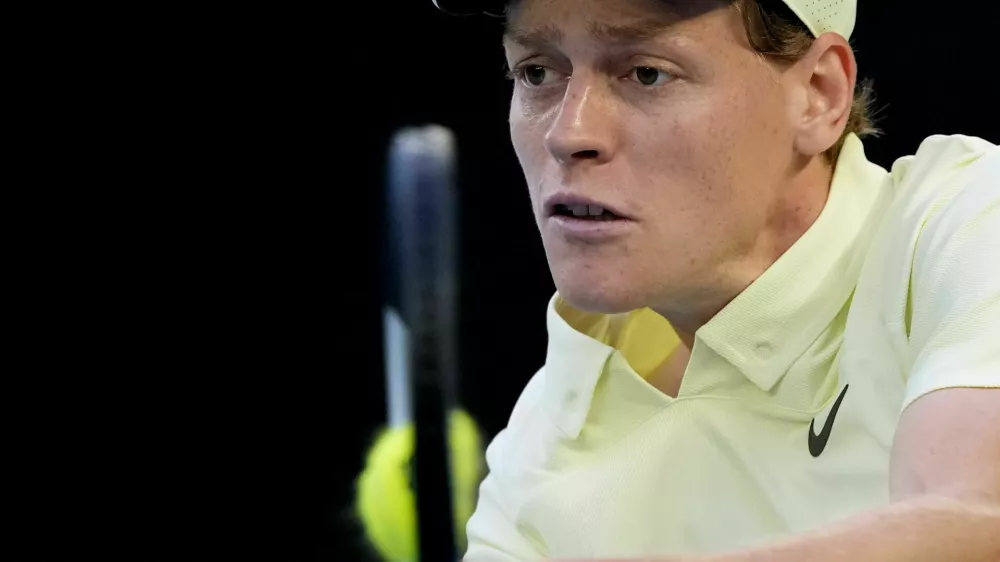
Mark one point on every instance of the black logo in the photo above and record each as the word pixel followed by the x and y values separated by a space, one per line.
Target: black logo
pixel 818 442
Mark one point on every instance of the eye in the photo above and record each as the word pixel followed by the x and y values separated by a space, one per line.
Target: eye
pixel 534 75
pixel 649 76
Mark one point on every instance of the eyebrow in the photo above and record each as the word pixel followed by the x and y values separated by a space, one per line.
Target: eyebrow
pixel 621 34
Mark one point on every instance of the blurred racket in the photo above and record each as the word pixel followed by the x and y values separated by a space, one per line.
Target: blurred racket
pixel 421 355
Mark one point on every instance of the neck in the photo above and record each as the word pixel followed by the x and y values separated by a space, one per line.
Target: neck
pixel 797 204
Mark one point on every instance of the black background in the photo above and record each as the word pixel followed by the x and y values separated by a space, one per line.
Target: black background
pixel 196 368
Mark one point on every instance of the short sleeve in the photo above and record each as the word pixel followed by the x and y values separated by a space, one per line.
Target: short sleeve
pixel 955 289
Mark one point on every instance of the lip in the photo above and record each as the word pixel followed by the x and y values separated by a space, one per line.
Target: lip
pixel 589 231
pixel 583 230
pixel 552 201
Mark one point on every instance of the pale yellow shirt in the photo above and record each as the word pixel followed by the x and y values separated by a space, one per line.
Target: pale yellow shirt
pixel 892 293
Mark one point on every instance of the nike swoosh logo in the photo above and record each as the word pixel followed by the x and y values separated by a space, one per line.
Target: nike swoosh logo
pixel 818 442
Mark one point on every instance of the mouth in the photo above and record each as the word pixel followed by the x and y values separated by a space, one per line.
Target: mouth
pixel 584 212
pixel 574 207
pixel 585 220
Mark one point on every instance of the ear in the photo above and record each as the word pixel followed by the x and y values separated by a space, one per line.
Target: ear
pixel 824 81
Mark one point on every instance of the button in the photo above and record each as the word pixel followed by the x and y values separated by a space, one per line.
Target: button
pixel 764 349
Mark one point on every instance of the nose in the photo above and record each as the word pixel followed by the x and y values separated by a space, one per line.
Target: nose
pixel 583 129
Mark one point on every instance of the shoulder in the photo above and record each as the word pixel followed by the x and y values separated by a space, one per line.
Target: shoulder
pixel 938 152
pixel 955 277
pixel 949 181
pixel 941 217
pixel 939 161
pixel 957 180
pixel 944 230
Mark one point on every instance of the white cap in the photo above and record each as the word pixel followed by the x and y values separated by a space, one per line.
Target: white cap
pixel 821 16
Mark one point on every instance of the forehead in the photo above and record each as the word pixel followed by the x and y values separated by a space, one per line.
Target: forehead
pixel 616 21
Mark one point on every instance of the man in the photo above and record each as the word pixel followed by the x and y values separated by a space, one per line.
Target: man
pixel 763 346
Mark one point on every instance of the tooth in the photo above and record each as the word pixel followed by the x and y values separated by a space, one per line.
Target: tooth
pixel 595 210
pixel 579 210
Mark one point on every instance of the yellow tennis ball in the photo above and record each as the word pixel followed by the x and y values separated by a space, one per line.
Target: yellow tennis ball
pixel 385 502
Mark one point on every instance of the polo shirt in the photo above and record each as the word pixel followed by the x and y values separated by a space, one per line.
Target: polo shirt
pixel 892 293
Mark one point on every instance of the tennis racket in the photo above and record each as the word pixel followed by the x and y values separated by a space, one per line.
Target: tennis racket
pixel 421 357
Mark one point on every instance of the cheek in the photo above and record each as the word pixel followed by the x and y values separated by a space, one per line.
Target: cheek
pixel 685 152
pixel 705 162
pixel 527 134
pixel 757 109
pixel 759 148
pixel 519 134
pixel 729 139
pixel 747 140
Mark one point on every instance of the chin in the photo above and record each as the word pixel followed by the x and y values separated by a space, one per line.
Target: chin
pixel 596 281
pixel 603 297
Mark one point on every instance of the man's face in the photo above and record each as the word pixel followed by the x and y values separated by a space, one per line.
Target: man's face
pixel 665 116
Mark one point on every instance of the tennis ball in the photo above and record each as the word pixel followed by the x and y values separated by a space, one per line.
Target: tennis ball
pixel 385 502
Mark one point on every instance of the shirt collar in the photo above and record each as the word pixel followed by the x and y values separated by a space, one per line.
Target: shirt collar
pixel 773 321
pixel 765 328
pixel 573 364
